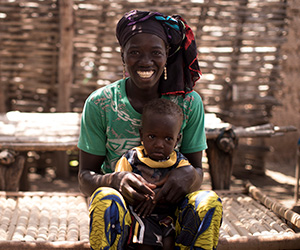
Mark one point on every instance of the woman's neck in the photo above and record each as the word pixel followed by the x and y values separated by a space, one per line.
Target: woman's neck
pixel 139 97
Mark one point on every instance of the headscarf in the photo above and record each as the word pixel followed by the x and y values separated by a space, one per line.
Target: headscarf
pixel 182 64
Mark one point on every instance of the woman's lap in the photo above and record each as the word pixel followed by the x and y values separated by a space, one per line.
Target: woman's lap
pixel 198 220
pixel 109 219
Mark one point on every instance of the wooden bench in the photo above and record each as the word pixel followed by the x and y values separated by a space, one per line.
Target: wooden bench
pixel 59 132
pixel 43 220
pixel 39 220
pixel 252 220
pixel 22 132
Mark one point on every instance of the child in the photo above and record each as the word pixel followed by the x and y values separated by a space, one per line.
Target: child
pixel 152 224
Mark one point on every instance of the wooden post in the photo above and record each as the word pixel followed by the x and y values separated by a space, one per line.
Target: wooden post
pixel 11 169
pixel 219 155
pixel 297 174
pixel 3 107
pixel 65 73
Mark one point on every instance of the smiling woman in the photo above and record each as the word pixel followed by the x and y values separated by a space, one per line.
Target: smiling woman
pixel 145 56
pixel 160 55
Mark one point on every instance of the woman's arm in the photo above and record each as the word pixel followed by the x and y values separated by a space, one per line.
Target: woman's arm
pixel 196 161
pixel 89 175
pixel 133 187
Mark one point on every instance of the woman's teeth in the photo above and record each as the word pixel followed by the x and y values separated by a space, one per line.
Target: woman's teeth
pixel 145 74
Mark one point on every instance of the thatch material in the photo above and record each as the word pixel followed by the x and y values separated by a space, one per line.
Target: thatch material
pixel 249 224
pixel 239 44
pixel 39 220
pixel 44 220
pixel 239 52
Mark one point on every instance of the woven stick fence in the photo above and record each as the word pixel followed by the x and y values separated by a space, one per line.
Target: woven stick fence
pixel 239 44
pixel 239 52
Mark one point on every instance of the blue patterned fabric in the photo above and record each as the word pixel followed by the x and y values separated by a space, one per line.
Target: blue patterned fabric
pixel 197 226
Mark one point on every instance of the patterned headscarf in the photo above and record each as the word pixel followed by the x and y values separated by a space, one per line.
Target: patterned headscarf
pixel 182 65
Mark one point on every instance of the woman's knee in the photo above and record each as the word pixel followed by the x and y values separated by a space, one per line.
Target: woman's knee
pixel 109 219
pixel 102 192
pixel 202 201
pixel 104 197
pixel 199 220
pixel 205 198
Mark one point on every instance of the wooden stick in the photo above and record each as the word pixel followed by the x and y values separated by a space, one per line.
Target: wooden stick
pixel 279 209
pixel 6 216
pixel 63 219
pixel 44 219
pixel 269 242
pixel 54 219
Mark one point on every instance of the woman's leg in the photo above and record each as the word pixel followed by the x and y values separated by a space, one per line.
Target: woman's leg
pixel 198 221
pixel 109 219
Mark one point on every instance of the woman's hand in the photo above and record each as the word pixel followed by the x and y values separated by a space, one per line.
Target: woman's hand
pixel 179 183
pixel 134 188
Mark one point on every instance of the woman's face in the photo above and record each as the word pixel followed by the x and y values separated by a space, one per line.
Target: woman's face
pixel 145 56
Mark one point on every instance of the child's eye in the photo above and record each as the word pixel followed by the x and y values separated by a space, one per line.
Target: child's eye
pixel 168 138
pixel 151 136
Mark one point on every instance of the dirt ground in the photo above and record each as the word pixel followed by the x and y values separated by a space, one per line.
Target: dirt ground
pixel 278 182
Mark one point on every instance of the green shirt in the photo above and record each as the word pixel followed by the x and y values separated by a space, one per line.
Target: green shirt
pixel 110 125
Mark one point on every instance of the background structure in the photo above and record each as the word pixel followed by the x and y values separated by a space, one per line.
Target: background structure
pixel 53 54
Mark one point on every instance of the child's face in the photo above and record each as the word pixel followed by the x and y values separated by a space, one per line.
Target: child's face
pixel 160 134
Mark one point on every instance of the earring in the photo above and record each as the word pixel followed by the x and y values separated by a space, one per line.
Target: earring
pixel 165 73
pixel 124 71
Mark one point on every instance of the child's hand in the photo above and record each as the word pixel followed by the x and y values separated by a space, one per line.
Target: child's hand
pixel 145 208
pixel 133 187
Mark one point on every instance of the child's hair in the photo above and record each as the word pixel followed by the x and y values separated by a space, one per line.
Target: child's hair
pixel 163 107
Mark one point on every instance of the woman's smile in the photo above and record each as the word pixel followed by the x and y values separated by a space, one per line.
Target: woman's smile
pixel 145 74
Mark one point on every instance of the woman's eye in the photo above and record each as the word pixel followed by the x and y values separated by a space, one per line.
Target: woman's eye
pixel 134 52
pixel 157 53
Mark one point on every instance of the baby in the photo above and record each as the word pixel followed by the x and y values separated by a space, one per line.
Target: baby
pixel 152 223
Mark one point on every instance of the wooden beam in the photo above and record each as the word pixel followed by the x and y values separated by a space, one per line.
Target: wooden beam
pixel 3 107
pixel 65 73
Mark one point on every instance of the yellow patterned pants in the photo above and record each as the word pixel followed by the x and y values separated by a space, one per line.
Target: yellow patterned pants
pixel 197 226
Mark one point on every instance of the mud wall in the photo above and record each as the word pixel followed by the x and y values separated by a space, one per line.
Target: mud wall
pixel 289 113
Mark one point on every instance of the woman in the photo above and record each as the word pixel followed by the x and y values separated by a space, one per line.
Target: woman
pixel 160 56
